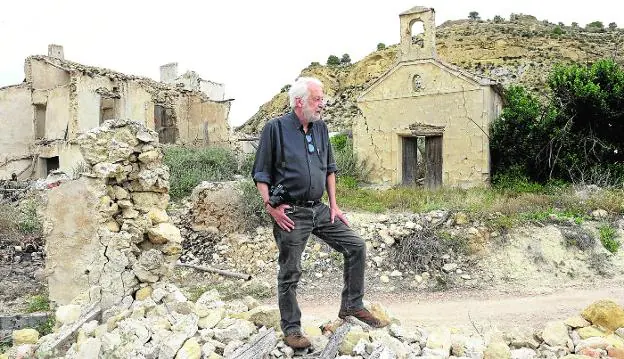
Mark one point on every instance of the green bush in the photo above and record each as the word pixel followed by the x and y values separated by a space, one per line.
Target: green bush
pixel 339 142
pixel 498 19
pixel 574 136
pixel 381 46
pixel 608 238
pixel 188 167
pixel 473 15
pixel 557 30
pixel 333 60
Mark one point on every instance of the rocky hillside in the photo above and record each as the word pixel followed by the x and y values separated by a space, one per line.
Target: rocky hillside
pixel 521 50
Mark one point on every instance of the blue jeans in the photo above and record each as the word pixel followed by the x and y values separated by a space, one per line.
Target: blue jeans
pixel 291 244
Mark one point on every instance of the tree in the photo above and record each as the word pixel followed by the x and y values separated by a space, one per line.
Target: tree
pixel 345 59
pixel 575 24
pixel 498 19
pixel 381 46
pixel 333 60
pixel 474 16
pixel 595 26
pixel 557 30
pixel 576 136
pixel 612 26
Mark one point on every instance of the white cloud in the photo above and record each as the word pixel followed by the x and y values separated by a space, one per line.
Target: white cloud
pixel 253 47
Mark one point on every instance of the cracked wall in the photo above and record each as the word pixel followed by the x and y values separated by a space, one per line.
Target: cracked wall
pixel 107 232
pixel 462 108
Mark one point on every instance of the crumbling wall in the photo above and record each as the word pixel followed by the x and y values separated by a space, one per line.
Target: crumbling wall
pixel 16 122
pixel 107 233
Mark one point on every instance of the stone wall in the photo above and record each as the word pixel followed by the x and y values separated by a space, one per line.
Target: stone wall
pixel 111 222
pixel 16 118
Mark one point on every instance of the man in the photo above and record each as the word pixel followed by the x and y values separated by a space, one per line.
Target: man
pixel 295 154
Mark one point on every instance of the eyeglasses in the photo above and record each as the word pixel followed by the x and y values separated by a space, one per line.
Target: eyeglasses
pixel 311 148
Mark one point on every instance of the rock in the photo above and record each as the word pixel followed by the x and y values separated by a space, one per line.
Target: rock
pixel 190 350
pixel 461 218
pixel 90 349
pixel 600 214
pixel 396 273
pixel 149 156
pixel 615 341
pixel 157 215
pixel 25 336
pixel 523 353
pixel 208 298
pixel 67 314
pixel 594 343
pixel 171 344
pixel 212 319
pixel 143 293
pixel 354 335
pixel 620 332
pixel 616 353
pixel 589 352
pixel 497 349
pixel 228 330
pixel 395 345
pixel 267 316
pixel 163 233
pixel 440 338
pixel 577 322
pixel 449 267
pixel 588 332
pixel 556 334
pixel 522 337
pixel 384 279
pixel 606 314
pixel 379 312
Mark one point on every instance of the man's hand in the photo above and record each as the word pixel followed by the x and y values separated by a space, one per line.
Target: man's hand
pixel 280 217
pixel 334 211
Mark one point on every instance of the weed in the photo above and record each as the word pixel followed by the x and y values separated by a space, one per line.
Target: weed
pixel 28 219
pixel 38 303
pixel 608 238
pixel 229 290
pixel 252 206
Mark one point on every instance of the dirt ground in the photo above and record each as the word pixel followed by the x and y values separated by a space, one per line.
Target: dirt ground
pixel 478 310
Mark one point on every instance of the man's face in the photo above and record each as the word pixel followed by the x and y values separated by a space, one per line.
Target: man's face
pixel 313 105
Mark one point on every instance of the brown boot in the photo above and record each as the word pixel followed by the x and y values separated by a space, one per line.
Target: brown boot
pixel 297 341
pixel 363 315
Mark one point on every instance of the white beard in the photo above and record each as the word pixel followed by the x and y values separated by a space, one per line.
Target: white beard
pixel 310 115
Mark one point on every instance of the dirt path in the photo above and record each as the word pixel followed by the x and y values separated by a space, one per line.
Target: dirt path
pixel 478 310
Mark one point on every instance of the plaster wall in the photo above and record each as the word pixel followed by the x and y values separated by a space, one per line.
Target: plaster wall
pixel 16 120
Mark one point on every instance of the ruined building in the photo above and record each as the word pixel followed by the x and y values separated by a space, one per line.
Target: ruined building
pixel 426 121
pixel 60 99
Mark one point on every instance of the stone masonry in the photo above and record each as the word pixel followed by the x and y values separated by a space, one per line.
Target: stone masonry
pixel 107 233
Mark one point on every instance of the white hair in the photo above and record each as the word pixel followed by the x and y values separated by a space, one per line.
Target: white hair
pixel 299 89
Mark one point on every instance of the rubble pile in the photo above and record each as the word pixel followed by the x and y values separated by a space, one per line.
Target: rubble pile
pixel 160 322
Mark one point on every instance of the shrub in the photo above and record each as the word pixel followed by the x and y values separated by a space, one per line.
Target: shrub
pixel 473 15
pixel 381 46
pixel 345 59
pixel 28 219
pixel 333 60
pixel 347 160
pixel 188 167
pixel 557 30
pixel 498 19
pixel 285 88
pixel 612 26
pixel 253 208
pixel 608 238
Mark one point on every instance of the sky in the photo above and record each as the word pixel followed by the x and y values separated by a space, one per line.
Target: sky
pixel 253 47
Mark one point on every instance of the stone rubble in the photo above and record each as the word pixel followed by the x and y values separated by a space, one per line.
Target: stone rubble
pixel 160 322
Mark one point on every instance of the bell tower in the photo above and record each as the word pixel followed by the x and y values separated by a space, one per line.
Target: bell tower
pixel 414 45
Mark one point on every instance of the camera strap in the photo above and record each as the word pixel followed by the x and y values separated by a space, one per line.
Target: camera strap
pixel 282 158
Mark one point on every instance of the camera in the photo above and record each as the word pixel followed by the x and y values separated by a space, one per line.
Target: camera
pixel 278 195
